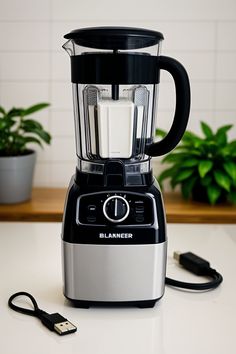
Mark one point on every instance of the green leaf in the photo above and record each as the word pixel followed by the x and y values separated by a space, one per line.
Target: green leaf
pixel 35 108
pixel 190 163
pixel 222 180
pixel 204 167
pixel 232 197
pixel 224 129
pixel 6 124
pixel 206 181
pixel 230 149
pixel 160 132
pixel 15 112
pixel 188 136
pixel 182 175
pixel 2 110
pixel 197 143
pixel 232 144
pixel 191 139
pixel 230 168
pixel 31 124
pixel 187 186
pixel 188 150
pixel 32 139
pixel 16 132
pixel 213 193
pixel 221 138
pixel 45 136
pixel 206 130
pixel 167 173
pixel 173 183
pixel 175 157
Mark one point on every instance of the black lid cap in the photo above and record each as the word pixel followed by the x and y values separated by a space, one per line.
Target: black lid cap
pixel 115 37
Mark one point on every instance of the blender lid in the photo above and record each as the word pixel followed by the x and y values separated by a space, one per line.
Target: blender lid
pixel 115 38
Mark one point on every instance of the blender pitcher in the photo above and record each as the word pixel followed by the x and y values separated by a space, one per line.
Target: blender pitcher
pixel 115 75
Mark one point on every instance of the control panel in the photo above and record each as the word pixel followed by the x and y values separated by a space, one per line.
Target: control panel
pixel 115 208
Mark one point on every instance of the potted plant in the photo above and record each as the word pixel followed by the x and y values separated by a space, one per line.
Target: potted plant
pixel 17 160
pixel 204 167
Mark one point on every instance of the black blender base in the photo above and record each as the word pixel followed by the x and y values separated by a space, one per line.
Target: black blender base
pixel 141 304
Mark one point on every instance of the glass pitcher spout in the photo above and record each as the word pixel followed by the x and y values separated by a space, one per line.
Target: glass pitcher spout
pixel 69 47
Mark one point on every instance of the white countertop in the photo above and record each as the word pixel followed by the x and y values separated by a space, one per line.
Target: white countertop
pixel 182 322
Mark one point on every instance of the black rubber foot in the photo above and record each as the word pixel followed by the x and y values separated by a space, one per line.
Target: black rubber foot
pixel 147 304
pixel 81 304
pixel 141 304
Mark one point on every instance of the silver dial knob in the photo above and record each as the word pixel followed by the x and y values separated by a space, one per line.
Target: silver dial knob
pixel 116 209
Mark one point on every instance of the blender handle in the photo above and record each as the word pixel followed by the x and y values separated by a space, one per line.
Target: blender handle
pixel 182 107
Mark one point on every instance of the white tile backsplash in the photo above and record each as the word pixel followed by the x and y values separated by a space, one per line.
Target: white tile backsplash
pixel 226 66
pixel 23 10
pixel 166 100
pixel 200 66
pixel 165 118
pixel 225 117
pixel 42 174
pixel 21 94
pixel 33 66
pixel 202 95
pixel 148 10
pixel 63 149
pixel 186 36
pixel 62 123
pixel 61 95
pixel 62 172
pixel 60 66
pixel 226 96
pixel 195 119
pixel 226 35
pixel 44 154
pixel 24 36
pixel 25 66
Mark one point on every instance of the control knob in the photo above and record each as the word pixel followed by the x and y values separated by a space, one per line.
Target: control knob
pixel 116 209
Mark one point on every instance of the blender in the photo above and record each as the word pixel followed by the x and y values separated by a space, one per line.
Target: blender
pixel 114 241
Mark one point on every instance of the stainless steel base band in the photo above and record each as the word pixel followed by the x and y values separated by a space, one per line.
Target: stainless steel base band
pixel 114 272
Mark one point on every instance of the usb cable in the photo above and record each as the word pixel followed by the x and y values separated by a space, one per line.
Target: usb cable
pixel 54 322
pixel 198 266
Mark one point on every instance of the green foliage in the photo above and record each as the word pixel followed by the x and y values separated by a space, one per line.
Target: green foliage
pixel 17 130
pixel 205 164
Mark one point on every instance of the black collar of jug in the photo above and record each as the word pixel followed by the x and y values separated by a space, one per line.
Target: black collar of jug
pixel 113 180
pixel 115 38
pixel 109 68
